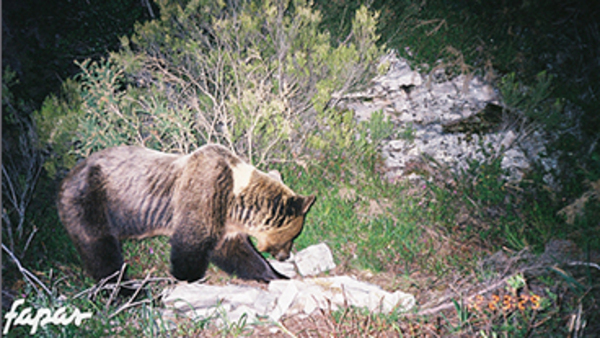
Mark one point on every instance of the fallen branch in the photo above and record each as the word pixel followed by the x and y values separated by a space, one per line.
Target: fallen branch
pixel 30 277
pixel 97 287
pixel 103 285
pixel 592 265
pixel 130 302
pixel 117 287
pixel 130 305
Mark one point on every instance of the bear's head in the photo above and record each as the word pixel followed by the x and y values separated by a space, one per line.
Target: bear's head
pixel 266 209
pixel 278 240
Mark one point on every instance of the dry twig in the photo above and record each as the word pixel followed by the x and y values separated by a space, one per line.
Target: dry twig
pixel 30 277
pixel 130 302
pixel 588 264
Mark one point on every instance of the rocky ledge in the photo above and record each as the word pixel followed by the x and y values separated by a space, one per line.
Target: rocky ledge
pixel 448 122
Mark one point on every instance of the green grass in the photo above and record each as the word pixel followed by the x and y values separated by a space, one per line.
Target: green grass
pixel 415 237
pixel 410 235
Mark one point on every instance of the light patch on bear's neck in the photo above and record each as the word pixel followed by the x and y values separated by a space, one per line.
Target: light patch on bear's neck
pixel 242 173
pixel 181 161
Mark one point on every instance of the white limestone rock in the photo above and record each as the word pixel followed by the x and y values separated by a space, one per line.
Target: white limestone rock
pixel 399 74
pixel 426 105
pixel 285 294
pixel 186 296
pixel 230 303
pixel 314 260
pixel 286 268
pixel 225 304
pixel 337 292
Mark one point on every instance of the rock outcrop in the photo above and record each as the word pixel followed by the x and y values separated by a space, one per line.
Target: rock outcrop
pixel 447 120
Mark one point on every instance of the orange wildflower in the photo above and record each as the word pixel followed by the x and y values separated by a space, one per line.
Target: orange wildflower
pixel 476 303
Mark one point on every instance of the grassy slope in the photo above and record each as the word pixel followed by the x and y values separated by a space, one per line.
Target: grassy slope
pixel 414 238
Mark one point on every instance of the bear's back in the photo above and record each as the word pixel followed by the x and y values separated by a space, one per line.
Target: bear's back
pixel 136 186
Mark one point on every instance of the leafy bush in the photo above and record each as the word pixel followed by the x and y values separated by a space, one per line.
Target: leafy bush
pixel 255 76
pixel 533 102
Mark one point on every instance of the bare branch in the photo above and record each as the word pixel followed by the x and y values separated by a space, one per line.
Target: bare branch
pixel 592 265
pixel 117 287
pixel 30 277
pixel 130 302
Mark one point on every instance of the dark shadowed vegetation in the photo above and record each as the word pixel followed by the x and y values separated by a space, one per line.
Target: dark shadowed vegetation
pixel 483 257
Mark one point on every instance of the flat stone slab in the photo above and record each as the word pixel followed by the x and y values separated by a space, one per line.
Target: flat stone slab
pixel 283 297
pixel 230 303
pixel 333 293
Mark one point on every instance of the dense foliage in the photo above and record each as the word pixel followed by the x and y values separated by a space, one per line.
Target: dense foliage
pixel 256 77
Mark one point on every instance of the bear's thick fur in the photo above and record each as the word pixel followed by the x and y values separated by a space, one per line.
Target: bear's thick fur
pixel 209 202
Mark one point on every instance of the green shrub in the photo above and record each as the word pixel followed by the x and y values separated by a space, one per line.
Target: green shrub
pixel 257 77
pixel 534 101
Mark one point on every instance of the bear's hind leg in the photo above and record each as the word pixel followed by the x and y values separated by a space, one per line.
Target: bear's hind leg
pixel 102 257
pixel 82 207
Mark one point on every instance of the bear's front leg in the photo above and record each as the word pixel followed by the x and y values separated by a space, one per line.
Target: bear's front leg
pixel 237 256
pixel 190 256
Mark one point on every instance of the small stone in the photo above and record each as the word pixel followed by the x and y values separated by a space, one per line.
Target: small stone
pixel 286 268
pixel 347 194
pixel 314 260
pixel 397 145
pixel 508 140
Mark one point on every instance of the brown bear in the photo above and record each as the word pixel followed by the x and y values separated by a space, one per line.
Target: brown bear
pixel 209 202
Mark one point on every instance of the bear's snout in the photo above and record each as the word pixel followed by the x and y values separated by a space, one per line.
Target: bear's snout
pixel 282 255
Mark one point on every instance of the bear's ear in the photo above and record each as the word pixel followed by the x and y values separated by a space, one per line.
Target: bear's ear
pixel 276 175
pixel 307 202
pixel 299 205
